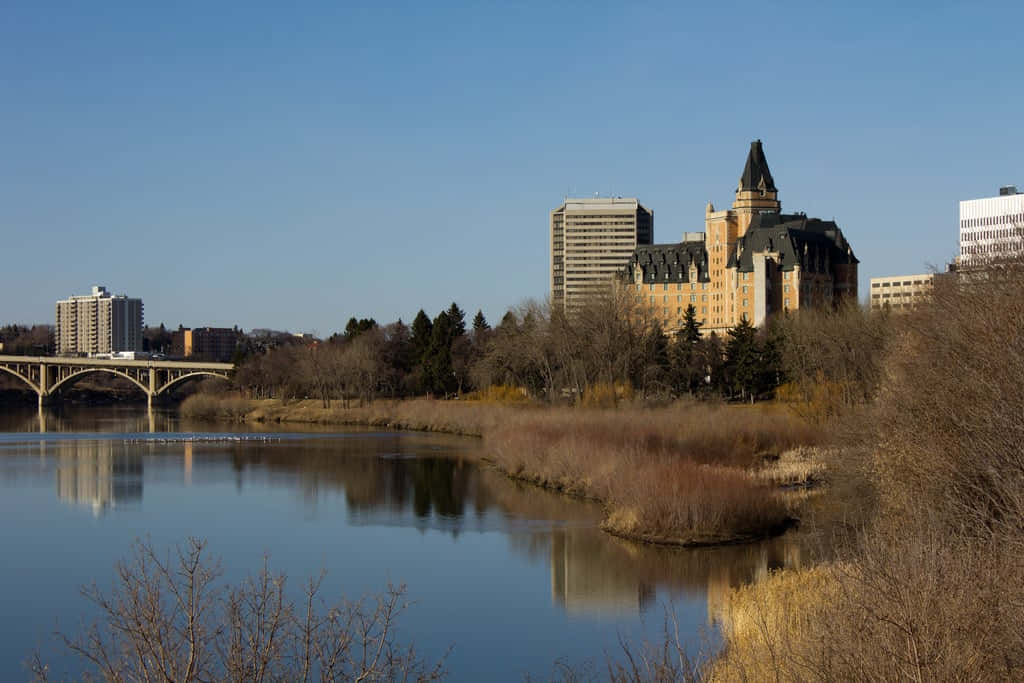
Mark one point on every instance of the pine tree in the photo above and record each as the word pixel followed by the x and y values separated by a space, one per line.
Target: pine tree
pixel 354 328
pixel 457 318
pixel 422 330
pixel 437 363
pixel 480 322
pixel 743 360
pixel 690 331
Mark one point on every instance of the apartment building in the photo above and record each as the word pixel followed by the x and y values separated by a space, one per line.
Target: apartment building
pixel 751 261
pixel 591 241
pixel 900 292
pixel 992 227
pixel 216 344
pixel 99 322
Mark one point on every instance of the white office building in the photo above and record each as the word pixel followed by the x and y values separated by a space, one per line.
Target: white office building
pixel 992 227
pixel 591 241
pixel 98 323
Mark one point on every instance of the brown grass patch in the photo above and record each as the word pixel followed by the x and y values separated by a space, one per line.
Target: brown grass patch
pixel 680 475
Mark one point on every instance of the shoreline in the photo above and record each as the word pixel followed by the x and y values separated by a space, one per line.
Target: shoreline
pixel 758 505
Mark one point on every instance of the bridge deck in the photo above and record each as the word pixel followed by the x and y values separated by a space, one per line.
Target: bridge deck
pixel 114 362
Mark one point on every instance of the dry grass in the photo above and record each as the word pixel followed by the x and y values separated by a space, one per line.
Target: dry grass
pixel 685 474
pixel 214 407
pixel 930 587
pixel 680 475
pixel 802 466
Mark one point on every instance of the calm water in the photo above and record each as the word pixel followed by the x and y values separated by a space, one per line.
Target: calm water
pixel 512 577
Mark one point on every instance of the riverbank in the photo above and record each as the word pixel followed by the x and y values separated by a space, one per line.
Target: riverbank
pixel 686 475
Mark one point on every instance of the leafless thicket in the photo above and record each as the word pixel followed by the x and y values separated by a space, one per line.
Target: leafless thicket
pixel 932 587
pixel 606 340
pixel 362 369
pixel 684 474
pixel 167 619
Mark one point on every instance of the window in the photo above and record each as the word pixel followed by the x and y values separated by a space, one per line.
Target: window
pixel 703 297
pixel 786 303
pixel 693 298
pixel 746 302
pixel 665 286
pixel 744 289
pixel 679 298
pixel 785 288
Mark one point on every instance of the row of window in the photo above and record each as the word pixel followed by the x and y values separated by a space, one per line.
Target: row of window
pixel 992 220
pixel 906 283
pixel 1002 233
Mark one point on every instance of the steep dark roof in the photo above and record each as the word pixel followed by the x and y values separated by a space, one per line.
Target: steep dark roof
pixel 756 170
pixel 669 262
pixel 793 237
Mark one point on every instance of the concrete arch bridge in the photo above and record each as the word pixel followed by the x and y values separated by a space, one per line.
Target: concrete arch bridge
pixel 46 375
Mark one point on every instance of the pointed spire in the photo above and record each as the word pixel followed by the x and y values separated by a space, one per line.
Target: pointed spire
pixel 756 175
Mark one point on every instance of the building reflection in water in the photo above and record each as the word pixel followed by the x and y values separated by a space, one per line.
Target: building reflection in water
pixel 401 480
pixel 100 474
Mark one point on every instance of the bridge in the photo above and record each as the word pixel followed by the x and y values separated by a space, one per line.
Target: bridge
pixel 46 375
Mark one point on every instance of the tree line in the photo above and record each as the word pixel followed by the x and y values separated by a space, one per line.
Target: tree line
pixel 610 344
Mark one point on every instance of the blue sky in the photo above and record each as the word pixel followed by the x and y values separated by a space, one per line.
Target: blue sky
pixel 270 166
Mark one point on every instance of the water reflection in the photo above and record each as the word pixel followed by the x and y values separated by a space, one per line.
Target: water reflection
pixel 433 482
pixel 96 473
pixel 427 482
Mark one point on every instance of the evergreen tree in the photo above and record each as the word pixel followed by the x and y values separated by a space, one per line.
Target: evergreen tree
pixel 655 370
pixel 772 368
pixel 690 331
pixel 354 328
pixel 508 322
pixel 480 322
pixel 422 329
pixel 437 363
pixel 743 360
pixel 457 318
pixel 710 360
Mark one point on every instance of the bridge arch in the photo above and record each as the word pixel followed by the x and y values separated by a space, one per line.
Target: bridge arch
pixel 85 371
pixel 24 379
pixel 196 373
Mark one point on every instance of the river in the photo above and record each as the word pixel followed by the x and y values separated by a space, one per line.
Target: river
pixel 511 578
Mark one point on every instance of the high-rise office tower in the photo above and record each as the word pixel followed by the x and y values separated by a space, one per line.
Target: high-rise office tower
pixel 591 241
pixel 992 228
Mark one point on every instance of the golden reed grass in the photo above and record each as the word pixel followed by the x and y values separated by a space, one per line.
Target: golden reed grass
pixel 683 474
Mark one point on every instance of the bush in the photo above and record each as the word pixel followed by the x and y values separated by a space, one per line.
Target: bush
pixel 168 619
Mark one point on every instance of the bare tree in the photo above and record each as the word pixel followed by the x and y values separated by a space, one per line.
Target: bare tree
pixel 168 619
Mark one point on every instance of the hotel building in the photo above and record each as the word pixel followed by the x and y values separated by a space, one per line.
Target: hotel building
pixel 751 261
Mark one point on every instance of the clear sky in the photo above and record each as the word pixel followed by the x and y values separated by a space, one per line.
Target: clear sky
pixel 291 165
